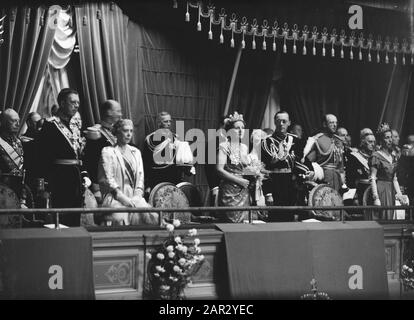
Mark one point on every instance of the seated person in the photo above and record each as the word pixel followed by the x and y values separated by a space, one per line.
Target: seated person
pixel 121 178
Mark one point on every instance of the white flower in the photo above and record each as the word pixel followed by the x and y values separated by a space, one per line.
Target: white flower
pixel 405 267
pixel 198 250
pixel 169 227
pixel 192 232
pixel 197 241
pixel 175 279
pixel 193 170
pixel 160 269
pixel 178 239
pixel 184 249
pixel 177 269
pixel 171 254
pixel 164 287
pixel 179 247
pixel 201 257
pixel 148 255
pixel 176 223
pixel 410 270
pixel 157 275
pixel 182 261
pixel 160 256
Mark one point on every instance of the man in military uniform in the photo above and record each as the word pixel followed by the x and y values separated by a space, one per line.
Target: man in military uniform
pixel 60 151
pixel 281 153
pixel 326 148
pixel 11 151
pixel 98 137
pixel 357 169
pixel 159 155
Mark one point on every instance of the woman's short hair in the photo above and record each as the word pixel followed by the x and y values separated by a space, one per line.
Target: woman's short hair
pixel 119 124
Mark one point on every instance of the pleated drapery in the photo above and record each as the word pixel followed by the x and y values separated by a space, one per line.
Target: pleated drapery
pixel 28 39
pixel 102 35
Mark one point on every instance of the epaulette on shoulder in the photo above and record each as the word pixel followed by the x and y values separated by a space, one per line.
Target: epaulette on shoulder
pixel 293 135
pixel 93 133
pixel 25 139
pixel 318 135
pixel 338 137
pixel 51 119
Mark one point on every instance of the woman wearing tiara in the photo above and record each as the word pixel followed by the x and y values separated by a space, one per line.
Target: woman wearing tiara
pixel 232 159
pixel 383 178
pixel 121 178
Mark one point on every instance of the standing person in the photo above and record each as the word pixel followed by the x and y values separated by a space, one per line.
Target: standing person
pixel 357 170
pixel 159 155
pixel 327 149
pixel 383 165
pixel 121 178
pixel 60 162
pixel 29 140
pixel 281 154
pixel 100 136
pixel 396 142
pixel 11 149
pixel 405 170
pixel 232 158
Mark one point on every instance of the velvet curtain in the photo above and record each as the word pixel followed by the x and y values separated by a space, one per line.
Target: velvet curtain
pixel 360 94
pixel 28 39
pixel 102 31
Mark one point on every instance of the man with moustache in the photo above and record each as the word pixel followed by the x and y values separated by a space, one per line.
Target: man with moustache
pixel 60 151
pixel 281 153
pixel 98 137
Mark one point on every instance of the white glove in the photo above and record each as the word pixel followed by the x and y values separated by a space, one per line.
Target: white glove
pixel 87 182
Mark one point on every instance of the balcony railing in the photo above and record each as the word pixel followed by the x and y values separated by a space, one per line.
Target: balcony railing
pixel 270 210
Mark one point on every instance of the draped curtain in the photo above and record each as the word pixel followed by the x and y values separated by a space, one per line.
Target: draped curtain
pixel 359 94
pixel 253 84
pixel 102 35
pixel 28 39
pixel 184 77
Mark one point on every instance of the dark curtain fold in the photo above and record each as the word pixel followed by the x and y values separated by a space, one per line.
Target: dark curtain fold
pixel 252 86
pixel 23 56
pixel 184 76
pixel 357 92
pixel 103 46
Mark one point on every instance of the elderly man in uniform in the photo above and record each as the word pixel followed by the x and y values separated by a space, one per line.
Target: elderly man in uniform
pixel 357 170
pixel 98 137
pixel 159 155
pixel 60 150
pixel 326 148
pixel 281 153
pixel 11 149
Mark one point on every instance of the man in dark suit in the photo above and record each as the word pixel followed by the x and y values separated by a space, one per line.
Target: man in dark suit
pixel 98 137
pixel 60 152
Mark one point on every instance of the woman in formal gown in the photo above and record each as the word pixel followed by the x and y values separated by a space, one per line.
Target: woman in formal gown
pixel 383 166
pixel 121 178
pixel 232 159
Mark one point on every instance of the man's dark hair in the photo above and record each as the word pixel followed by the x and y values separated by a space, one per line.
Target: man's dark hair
pixel 104 108
pixel 280 112
pixel 64 93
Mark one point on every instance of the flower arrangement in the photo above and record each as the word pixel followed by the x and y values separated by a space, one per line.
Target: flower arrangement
pixel 172 265
pixel 255 171
pixel 407 275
